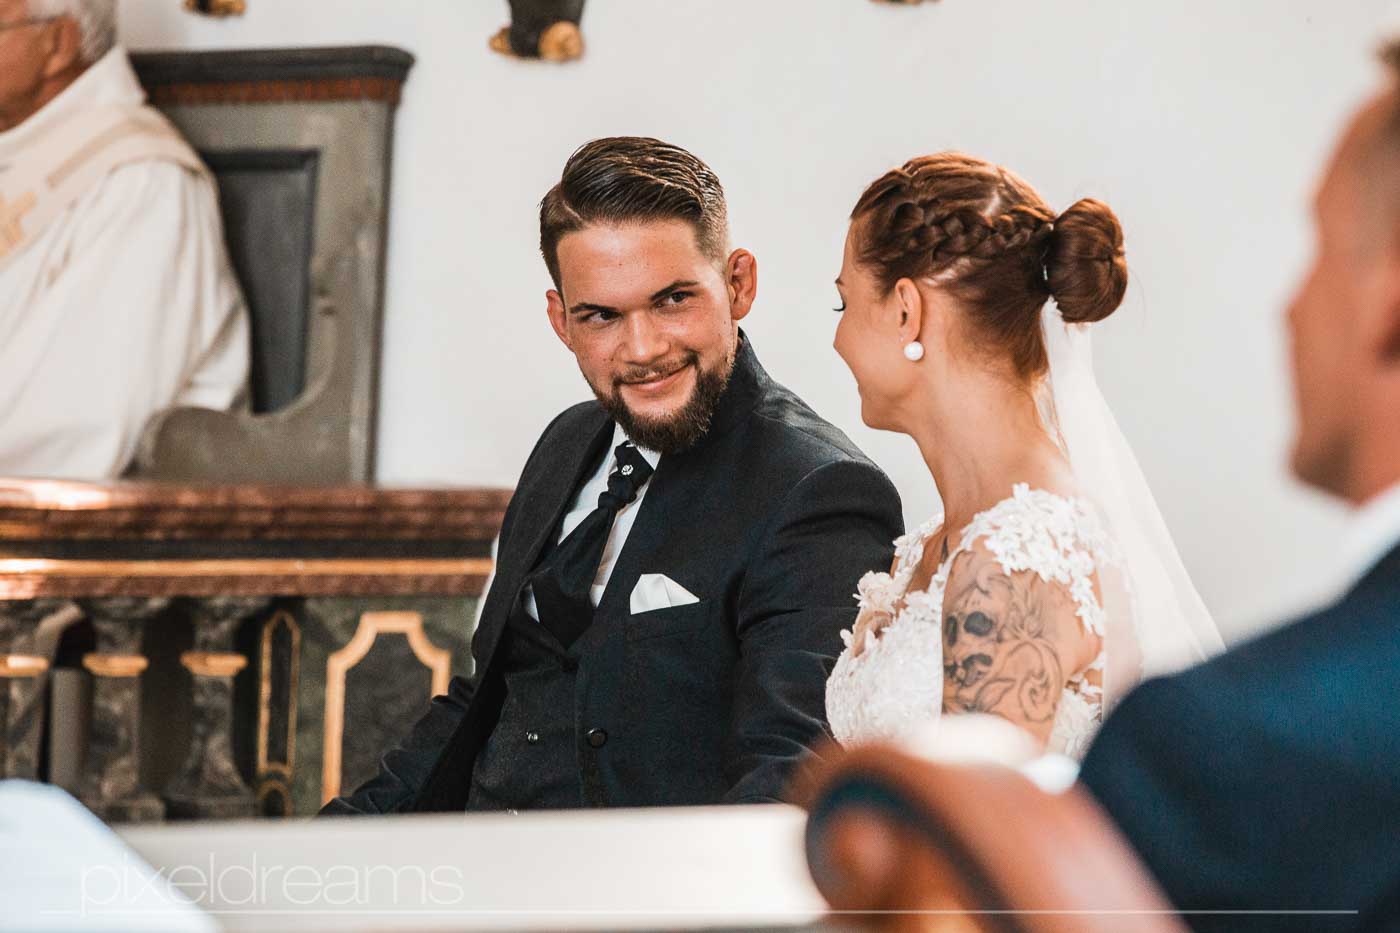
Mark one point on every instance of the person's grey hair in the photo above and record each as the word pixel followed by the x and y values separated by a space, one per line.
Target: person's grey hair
pixel 96 19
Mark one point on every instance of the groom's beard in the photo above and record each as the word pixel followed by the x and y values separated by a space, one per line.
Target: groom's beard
pixel 683 428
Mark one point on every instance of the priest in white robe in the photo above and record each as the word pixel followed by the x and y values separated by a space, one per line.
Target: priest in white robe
pixel 117 299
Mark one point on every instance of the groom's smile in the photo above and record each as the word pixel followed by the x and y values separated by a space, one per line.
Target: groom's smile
pixel 662 384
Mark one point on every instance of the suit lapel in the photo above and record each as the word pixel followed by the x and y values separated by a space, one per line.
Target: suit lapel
pixel 544 502
pixel 555 492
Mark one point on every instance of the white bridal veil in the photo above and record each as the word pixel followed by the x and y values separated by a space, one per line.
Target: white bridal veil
pixel 1156 621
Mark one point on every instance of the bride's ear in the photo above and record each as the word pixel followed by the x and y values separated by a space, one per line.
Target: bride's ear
pixel 910 307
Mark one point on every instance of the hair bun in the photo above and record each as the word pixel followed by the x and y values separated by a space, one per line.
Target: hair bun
pixel 1084 267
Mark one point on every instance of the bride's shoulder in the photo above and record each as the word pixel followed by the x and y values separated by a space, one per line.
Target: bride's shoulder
pixel 1038 528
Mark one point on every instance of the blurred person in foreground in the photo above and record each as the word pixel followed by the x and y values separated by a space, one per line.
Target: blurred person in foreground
pixel 1279 788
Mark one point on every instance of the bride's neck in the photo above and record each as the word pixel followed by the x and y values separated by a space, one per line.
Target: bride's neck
pixel 979 440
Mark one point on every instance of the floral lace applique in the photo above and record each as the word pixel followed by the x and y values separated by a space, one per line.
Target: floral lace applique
pixel 896 685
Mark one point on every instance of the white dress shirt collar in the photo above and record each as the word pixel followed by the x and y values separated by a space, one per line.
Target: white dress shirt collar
pixel 1373 533
pixel 619 435
pixel 585 501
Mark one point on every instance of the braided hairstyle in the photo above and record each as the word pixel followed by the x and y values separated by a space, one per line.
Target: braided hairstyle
pixel 984 235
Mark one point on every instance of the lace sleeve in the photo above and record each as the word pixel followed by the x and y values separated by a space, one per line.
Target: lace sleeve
pixel 878 593
pixel 1059 540
pixel 1021 621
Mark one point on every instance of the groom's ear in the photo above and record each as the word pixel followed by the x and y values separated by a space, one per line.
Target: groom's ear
pixel 558 316
pixel 741 282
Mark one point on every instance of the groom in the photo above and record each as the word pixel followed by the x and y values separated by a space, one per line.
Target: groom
pixel 678 560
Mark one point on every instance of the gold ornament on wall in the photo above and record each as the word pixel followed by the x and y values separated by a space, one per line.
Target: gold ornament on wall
pixel 548 30
pixel 217 7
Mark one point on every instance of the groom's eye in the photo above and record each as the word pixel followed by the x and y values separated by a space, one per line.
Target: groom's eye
pixel 676 298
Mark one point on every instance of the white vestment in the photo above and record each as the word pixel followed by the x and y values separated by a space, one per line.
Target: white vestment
pixel 120 306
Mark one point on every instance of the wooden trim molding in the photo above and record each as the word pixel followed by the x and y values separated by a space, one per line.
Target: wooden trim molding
pixel 277 92
pixel 279 618
pixel 115 665
pixel 271 785
pixel 157 69
pixel 372 625
pixel 16 666
pixel 30 578
pixel 52 510
pixel 213 663
pixel 261 76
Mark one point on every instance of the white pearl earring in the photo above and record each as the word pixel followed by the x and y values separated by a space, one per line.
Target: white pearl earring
pixel 913 351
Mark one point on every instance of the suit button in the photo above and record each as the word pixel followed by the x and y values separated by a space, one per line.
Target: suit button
pixel 597 738
pixel 532 737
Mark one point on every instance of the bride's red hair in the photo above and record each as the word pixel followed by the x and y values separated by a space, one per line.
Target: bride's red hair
pixel 984 235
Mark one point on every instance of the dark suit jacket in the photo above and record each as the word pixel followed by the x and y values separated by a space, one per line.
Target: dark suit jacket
pixel 770 520
pixel 1269 777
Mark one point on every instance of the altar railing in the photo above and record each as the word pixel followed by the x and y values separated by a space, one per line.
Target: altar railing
pixel 226 651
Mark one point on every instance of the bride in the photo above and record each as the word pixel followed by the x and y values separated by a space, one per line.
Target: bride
pixel 1049 586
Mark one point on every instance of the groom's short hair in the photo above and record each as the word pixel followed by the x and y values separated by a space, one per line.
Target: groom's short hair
pixel 632 179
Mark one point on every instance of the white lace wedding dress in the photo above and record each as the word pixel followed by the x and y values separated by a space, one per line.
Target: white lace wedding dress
pixel 894 688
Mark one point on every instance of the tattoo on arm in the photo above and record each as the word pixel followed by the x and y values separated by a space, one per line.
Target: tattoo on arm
pixel 999 651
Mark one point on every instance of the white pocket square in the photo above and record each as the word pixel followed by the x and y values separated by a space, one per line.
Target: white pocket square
pixel 658 591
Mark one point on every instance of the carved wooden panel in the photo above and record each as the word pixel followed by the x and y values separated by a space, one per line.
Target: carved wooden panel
pixel 279 669
pixel 284 577
pixel 386 691
pixel 268 199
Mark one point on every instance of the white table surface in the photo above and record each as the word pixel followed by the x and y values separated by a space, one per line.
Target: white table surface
pixel 713 867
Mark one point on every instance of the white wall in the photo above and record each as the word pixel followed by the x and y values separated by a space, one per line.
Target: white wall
pixel 1203 124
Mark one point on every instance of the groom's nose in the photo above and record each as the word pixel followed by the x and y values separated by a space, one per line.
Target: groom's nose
pixel 643 341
